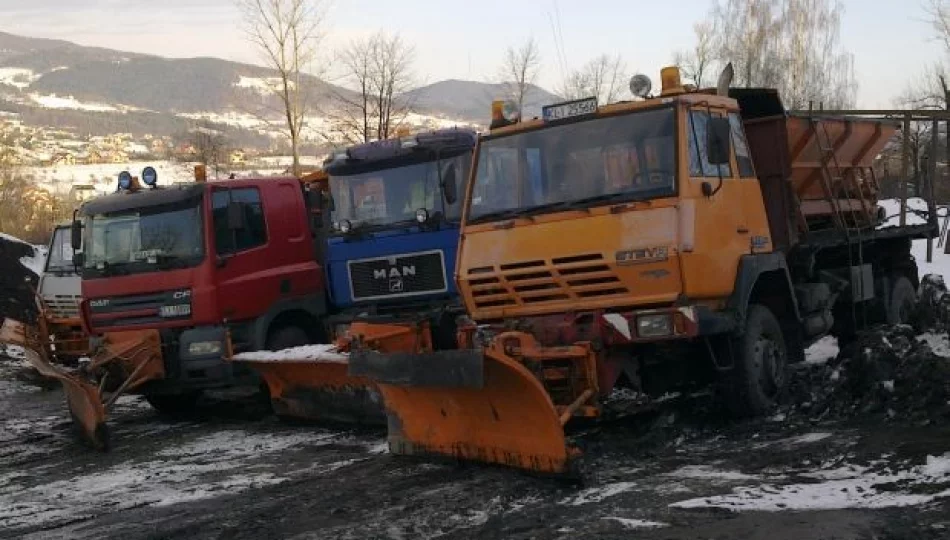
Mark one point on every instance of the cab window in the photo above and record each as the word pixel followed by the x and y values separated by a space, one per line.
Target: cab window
pixel 699 164
pixel 254 232
pixel 741 147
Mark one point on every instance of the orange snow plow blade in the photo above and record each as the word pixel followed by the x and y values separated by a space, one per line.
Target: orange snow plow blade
pixel 312 382
pixel 125 361
pixel 477 405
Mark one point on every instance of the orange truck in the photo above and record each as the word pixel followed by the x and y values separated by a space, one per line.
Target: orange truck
pixel 683 239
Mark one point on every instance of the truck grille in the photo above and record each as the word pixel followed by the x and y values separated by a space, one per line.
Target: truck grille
pixel 63 306
pixel 137 309
pixel 576 277
pixel 398 276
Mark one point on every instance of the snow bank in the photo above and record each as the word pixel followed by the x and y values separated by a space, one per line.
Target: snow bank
pixel 325 353
pixel 853 487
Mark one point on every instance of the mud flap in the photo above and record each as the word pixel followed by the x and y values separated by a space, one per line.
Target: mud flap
pixel 320 391
pixel 507 418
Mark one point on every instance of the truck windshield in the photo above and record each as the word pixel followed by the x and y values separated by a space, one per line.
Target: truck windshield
pixel 144 239
pixel 390 196
pixel 60 257
pixel 576 165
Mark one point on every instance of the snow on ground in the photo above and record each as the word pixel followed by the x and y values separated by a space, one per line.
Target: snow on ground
pixel 706 472
pixel 222 461
pixel 821 351
pixel 263 85
pixel 938 343
pixel 599 493
pixel 18 77
pixel 629 523
pixel 231 118
pixel 309 353
pixel 840 488
pixel 69 102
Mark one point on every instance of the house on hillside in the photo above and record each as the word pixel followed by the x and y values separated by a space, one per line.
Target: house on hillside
pixel 79 193
pixel 63 158
pixel 237 157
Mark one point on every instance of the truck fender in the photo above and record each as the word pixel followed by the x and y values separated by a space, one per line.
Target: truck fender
pixel 752 269
pixel 314 305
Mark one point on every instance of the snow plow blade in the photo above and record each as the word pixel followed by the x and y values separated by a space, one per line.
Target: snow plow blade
pixel 82 398
pixel 125 361
pixel 475 405
pixel 317 388
pixel 313 382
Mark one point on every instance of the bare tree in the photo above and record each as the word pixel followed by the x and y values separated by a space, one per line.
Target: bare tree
pixel 209 147
pixel 287 33
pixel 695 62
pixel 519 71
pixel 792 45
pixel 938 13
pixel 378 70
pixel 604 77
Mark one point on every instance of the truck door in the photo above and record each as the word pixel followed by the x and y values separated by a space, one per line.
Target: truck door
pixel 721 228
pixel 242 288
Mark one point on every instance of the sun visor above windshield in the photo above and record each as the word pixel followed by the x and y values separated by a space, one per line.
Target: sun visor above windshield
pixel 395 152
pixel 120 202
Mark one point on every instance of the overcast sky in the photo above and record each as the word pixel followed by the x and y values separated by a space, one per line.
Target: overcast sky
pixel 466 40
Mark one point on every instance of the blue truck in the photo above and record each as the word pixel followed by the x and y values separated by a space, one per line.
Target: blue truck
pixel 394 235
pixel 390 231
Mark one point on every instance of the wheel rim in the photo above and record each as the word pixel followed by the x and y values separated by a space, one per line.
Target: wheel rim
pixel 771 364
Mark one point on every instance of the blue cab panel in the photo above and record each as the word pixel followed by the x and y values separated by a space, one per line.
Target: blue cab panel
pixel 393 267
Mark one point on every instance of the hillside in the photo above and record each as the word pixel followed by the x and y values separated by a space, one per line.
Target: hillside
pixel 471 100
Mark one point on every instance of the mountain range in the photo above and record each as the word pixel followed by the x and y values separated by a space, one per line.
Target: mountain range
pixel 56 83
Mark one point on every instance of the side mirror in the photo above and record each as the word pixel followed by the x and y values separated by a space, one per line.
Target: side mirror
pixel 236 216
pixel 718 140
pixel 76 235
pixel 79 259
pixel 449 189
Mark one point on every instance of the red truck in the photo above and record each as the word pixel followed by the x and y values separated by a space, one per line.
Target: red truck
pixel 169 272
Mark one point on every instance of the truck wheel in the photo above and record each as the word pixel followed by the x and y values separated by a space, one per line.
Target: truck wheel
pixel 903 301
pixel 174 405
pixel 754 385
pixel 287 337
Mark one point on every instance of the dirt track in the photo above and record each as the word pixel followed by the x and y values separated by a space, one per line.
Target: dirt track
pixel 663 476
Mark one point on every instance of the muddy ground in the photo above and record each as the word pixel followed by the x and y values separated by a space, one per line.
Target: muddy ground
pixel 814 470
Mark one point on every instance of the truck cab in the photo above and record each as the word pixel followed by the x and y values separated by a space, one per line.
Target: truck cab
pixel 59 291
pixel 393 240
pixel 197 262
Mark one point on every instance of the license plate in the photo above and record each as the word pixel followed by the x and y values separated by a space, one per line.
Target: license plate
pixel 570 109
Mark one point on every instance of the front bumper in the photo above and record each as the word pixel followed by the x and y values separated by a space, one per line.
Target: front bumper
pixel 192 363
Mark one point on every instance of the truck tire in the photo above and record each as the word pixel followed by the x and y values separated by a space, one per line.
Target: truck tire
pixel 287 337
pixel 755 384
pixel 174 405
pixel 903 300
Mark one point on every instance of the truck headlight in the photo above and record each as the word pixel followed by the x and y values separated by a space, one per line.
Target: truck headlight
pixel 178 310
pixel 204 348
pixel 658 325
